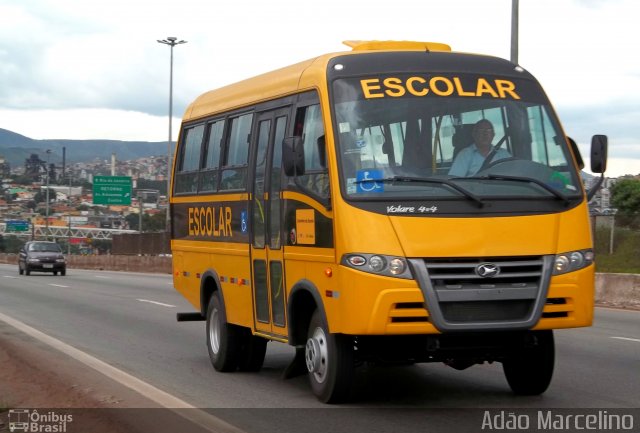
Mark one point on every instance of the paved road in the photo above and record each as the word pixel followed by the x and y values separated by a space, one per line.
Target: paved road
pixel 128 321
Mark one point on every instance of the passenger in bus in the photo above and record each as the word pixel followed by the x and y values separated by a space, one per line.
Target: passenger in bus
pixel 479 154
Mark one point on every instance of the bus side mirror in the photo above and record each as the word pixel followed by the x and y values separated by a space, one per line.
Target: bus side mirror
pixel 599 144
pixel 598 162
pixel 293 156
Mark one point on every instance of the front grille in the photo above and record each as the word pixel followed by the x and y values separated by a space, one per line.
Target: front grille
pixel 458 297
pixel 47 260
pixel 461 273
pixel 474 311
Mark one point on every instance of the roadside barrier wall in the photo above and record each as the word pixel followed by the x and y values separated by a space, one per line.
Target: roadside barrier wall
pixel 110 262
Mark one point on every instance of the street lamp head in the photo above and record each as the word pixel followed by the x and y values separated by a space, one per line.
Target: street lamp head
pixel 171 41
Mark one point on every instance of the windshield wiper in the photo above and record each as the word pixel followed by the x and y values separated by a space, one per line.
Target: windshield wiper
pixel 409 179
pixel 538 182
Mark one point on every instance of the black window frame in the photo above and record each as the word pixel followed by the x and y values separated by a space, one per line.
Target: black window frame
pixel 182 176
pixel 242 169
pixel 204 169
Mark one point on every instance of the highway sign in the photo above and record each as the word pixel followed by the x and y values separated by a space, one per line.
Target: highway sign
pixel 114 190
pixel 17 226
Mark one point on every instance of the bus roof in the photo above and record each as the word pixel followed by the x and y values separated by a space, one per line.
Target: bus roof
pixel 301 76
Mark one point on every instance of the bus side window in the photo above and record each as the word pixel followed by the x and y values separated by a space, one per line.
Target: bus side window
pixel 211 157
pixel 186 180
pixel 316 176
pixel 234 169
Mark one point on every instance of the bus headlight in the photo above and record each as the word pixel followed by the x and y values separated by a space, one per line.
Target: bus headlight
pixel 572 261
pixel 397 266
pixel 380 264
pixel 377 263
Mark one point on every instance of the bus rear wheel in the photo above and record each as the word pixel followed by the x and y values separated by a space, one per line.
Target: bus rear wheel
pixel 530 370
pixel 330 362
pixel 223 339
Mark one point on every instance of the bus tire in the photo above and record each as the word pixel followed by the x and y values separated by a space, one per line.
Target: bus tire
pixel 529 371
pixel 252 353
pixel 223 339
pixel 330 362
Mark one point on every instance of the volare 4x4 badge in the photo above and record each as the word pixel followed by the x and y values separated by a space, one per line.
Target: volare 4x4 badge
pixel 398 208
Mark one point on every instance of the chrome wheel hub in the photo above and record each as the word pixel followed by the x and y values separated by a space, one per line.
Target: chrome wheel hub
pixel 316 355
pixel 214 331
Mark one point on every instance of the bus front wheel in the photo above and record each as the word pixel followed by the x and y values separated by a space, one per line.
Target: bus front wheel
pixel 330 361
pixel 223 339
pixel 530 370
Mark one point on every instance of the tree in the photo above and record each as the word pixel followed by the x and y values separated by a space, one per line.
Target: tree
pixel 133 220
pixel 154 223
pixel 10 243
pixel 625 196
pixel 150 223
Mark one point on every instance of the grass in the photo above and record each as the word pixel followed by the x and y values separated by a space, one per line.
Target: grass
pixel 626 251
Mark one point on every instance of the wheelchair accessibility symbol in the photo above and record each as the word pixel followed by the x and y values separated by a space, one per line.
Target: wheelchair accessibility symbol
pixel 243 221
pixel 366 181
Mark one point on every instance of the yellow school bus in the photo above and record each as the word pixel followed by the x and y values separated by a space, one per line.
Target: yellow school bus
pixel 396 203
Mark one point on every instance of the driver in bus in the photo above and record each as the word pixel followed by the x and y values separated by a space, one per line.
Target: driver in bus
pixel 479 154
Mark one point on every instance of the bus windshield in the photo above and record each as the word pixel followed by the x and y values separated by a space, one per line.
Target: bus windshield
pixel 398 138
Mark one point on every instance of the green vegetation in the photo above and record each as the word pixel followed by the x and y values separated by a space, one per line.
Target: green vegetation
pixel 11 243
pixel 626 250
pixel 625 196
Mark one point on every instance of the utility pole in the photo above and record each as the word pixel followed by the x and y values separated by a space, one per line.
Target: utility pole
pixel 140 212
pixel 514 31
pixel 69 216
pixel 46 222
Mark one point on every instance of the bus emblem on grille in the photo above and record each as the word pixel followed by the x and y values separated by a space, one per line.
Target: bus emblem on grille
pixel 487 270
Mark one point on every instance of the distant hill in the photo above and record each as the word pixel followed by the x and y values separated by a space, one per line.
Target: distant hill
pixel 16 148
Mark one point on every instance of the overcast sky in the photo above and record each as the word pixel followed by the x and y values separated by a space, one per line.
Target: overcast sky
pixel 89 69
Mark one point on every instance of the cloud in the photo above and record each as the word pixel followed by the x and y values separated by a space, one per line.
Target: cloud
pixel 91 124
pixel 618 120
pixel 97 69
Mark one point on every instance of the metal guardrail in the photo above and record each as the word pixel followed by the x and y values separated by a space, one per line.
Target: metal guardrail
pixel 40 231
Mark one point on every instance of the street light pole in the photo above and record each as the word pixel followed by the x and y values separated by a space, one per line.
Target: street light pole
pixel 46 221
pixel 515 8
pixel 172 41
pixel 69 215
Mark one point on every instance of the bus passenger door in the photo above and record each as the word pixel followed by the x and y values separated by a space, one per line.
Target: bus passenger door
pixel 267 262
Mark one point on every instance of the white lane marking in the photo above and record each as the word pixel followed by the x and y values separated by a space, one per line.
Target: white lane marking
pixel 101 276
pixel 9 276
pixel 157 303
pixel 627 339
pixel 164 399
pixel 58 285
